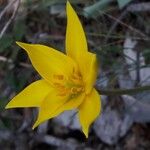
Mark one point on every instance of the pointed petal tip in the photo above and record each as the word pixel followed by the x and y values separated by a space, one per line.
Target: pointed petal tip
pixel 17 42
pixel 34 127
pixel 37 123
pixel 86 136
pixel 20 43
pixel 10 105
pixel 68 5
pixel 7 106
pixel 27 47
pixel 85 131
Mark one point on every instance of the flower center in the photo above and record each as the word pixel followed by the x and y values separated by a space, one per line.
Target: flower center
pixel 68 87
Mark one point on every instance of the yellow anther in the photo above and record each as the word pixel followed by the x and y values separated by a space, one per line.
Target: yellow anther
pixel 80 89
pixel 58 77
pixel 63 92
pixel 56 84
pixel 74 90
pixel 68 86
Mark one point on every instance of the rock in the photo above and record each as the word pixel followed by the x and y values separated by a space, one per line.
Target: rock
pixel 137 109
pixel 111 125
pixel 131 57
pixel 68 119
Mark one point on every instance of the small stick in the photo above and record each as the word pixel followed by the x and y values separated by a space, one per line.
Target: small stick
pixel 6 8
pixel 10 20
pixel 4 59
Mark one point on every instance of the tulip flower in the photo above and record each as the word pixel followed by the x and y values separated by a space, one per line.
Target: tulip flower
pixel 67 80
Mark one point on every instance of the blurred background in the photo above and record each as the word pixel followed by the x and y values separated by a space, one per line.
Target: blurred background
pixel 118 31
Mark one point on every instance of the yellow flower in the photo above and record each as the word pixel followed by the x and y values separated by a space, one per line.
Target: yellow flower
pixel 68 80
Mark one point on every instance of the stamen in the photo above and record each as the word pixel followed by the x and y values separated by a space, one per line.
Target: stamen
pixel 69 86
pixel 74 90
pixel 58 77
pixel 80 89
pixel 63 92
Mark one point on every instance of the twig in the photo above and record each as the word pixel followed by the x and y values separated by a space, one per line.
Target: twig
pixel 6 8
pixel 10 20
pixel 12 117
pixel 123 14
pixel 51 140
pixel 124 24
pixel 4 59
pixel 137 67
pixel 115 36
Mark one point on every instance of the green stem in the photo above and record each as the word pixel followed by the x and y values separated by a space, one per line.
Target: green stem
pixel 123 91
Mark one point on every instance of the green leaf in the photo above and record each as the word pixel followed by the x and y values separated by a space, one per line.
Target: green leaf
pixel 2 126
pixel 123 3
pixel 146 55
pixel 2 103
pixel 5 42
pixel 18 80
pixel 93 10
pixel 19 29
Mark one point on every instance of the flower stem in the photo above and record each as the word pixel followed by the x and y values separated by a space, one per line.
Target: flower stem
pixel 123 91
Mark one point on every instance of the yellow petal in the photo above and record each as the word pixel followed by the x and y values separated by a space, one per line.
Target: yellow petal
pixel 48 61
pixel 54 104
pixel 76 44
pixel 89 110
pixel 31 96
pixel 76 48
pixel 89 71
